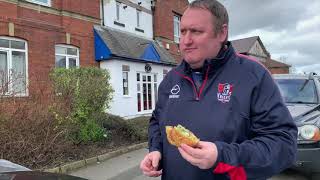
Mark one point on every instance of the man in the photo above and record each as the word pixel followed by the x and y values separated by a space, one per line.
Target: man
pixel 229 101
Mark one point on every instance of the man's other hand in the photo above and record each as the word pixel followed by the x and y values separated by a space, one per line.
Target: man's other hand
pixel 149 165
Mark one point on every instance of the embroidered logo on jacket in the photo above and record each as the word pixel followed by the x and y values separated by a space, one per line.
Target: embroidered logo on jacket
pixel 174 91
pixel 224 92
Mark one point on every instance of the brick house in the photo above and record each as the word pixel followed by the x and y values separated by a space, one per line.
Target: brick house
pixel 276 67
pixel 253 47
pixel 38 35
pixel 167 16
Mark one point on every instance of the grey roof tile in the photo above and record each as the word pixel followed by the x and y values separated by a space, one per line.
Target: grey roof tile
pixel 244 45
pixel 129 45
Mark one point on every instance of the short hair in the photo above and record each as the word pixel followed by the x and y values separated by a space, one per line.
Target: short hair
pixel 216 9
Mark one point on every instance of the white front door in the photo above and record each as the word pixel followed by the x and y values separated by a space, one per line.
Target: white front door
pixel 146 92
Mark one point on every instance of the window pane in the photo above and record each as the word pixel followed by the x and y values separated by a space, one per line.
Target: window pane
pixel 72 62
pixel 60 61
pixel 149 97
pixel 125 91
pixel 145 101
pixel 18 72
pixel 138 76
pixel 72 51
pixel 155 78
pixel 3 73
pixel 4 43
pixel 125 83
pixel 138 87
pixel 118 11
pixel 17 44
pixel 43 1
pixel 61 50
pixel 138 18
pixel 139 101
pixel 144 78
pixel 176 28
pixel 149 78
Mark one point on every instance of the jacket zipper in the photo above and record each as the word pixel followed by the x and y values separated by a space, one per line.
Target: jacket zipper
pixel 198 94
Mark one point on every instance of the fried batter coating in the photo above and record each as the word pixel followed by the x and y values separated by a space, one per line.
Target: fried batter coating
pixel 178 135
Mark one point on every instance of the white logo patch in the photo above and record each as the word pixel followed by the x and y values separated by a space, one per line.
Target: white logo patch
pixel 175 91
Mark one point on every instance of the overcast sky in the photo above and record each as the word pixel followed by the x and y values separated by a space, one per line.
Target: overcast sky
pixel 290 30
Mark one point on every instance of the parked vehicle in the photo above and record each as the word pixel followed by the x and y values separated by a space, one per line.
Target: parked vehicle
pixel 301 94
pixel 12 171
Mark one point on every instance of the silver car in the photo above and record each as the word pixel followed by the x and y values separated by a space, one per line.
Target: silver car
pixel 301 93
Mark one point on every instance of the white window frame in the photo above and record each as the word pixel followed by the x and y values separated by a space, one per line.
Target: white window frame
pixel 154 84
pixel 40 3
pixel 127 72
pixel 9 66
pixel 68 56
pixel 176 24
pixel 138 18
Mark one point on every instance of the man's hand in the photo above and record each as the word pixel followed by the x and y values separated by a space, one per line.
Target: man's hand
pixel 203 156
pixel 150 163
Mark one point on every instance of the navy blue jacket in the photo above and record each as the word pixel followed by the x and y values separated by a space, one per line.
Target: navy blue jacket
pixel 238 107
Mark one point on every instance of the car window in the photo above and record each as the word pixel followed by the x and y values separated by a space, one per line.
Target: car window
pixel 297 90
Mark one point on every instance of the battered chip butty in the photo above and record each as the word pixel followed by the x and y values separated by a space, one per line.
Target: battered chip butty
pixel 178 135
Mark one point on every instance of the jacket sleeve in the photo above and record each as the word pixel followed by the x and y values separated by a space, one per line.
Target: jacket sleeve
pixel 154 132
pixel 273 138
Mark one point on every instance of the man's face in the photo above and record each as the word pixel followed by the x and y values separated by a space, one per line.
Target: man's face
pixel 198 40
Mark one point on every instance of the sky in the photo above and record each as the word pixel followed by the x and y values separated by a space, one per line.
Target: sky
pixel 290 30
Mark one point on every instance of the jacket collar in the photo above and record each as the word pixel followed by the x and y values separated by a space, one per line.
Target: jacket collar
pixel 223 56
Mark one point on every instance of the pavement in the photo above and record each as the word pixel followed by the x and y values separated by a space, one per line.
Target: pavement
pixel 126 167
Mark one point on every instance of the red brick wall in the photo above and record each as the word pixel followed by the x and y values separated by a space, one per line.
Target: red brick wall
pixel 84 7
pixel 279 70
pixel 43 31
pixel 8 10
pixel 163 22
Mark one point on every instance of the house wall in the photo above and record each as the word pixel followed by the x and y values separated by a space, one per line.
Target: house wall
pixel 44 27
pixel 282 70
pixel 257 52
pixel 126 106
pixel 128 16
pixel 163 25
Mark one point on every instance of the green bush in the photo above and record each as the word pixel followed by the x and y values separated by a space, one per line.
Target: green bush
pixel 86 93
pixel 132 129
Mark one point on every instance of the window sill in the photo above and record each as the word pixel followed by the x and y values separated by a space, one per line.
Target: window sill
pixel 119 24
pixel 139 30
pixel 145 112
pixel 15 96
pixel 126 96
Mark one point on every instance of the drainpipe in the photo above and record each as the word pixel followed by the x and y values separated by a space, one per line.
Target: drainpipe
pixel 153 7
pixel 102 12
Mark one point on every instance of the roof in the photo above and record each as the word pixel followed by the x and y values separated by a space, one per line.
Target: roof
pixel 244 45
pixel 270 63
pixel 129 45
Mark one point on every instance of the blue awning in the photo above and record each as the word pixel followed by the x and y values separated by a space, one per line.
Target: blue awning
pixel 102 51
pixel 113 44
pixel 150 53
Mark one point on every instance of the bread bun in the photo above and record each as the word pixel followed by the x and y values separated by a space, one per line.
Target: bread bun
pixel 178 135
